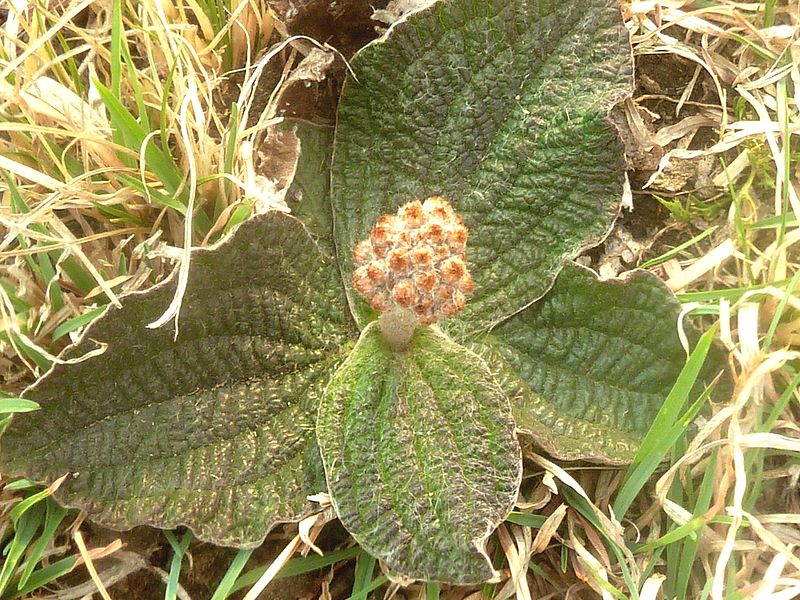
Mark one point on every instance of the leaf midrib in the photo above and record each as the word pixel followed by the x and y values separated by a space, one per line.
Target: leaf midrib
pixel 290 369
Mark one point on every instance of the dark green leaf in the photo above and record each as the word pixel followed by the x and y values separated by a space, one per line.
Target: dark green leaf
pixel 309 196
pixel 421 455
pixel 215 430
pixel 589 365
pixel 501 107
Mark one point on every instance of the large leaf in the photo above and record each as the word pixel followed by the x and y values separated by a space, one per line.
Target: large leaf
pixel 590 364
pixel 500 106
pixel 215 430
pixel 421 455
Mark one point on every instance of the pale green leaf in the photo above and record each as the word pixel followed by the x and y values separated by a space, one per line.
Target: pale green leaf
pixel 421 455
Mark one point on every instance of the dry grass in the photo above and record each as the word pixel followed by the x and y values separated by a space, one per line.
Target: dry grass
pixel 90 214
pixel 751 441
pixel 91 208
pixel 728 503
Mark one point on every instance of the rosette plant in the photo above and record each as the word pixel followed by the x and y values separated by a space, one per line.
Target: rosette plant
pixel 281 384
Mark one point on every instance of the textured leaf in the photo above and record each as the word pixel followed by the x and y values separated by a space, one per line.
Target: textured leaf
pixel 499 106
pixel 421 455
pixel 309 195
pixel 589 365
pixel 214 431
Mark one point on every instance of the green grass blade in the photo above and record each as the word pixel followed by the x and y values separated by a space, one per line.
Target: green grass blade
pixel 785 170
pixel 155 160
pixel 48 274
pixel 20 509
pixel 10 404
pixel 608 587
pixel 240 214
pixel 70 65
pixel 582 506
pixel 677 534
pixel 74 323
pixel 432 591
pixel 155 195
pixel 781 404
pixel 116 48
pixel 55 515
pixel 141 106
pixel 230 155
pixel 225 587
pixel 20 305
pixel 365 566
pixel 45 576
pixel 25 527
pixel 63 160
pixel 655 444
pixel 179 550
pixel 39 264
pixel 678 249
pixel 201 223
pixel 30 352
pixel 690 545
pixel 376 583
pixel 650 565
pixel 776 318
pixel 116 214
pixel 526 519
pixel 163 132
pixel 626 573
pixel 297 566
pixel 732 294
pixel 79 276
pixel 18 204
pixel 775 222
pixel 769 12
pixel 118 135
pixel 639 475
pixel 758 49
pixel 21 484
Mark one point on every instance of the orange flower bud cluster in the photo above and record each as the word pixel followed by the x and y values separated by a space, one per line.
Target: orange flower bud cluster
pixel 415 260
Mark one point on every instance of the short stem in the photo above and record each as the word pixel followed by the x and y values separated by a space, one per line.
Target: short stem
pixel 397 327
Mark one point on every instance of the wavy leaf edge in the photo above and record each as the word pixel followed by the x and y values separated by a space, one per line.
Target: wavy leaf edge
pixel 111 313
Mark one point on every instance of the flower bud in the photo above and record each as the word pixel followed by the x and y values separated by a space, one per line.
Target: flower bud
pixel 415 261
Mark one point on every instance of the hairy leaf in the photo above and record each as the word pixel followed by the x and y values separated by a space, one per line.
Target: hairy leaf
pixel 421 455
pixel 309 194
pixel 589 365
pixel 215 430
pixel 500 106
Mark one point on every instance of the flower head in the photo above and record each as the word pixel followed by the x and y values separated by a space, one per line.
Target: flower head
pixel 416 260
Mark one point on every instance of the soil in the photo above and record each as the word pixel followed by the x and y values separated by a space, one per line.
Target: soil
pixel 649 229
pixel 205 565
